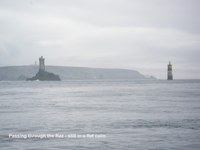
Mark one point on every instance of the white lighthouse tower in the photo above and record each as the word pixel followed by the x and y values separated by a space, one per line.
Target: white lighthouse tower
pixel 169 72
pixel 42 64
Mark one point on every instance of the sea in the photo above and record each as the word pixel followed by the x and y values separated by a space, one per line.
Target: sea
pixel 100 115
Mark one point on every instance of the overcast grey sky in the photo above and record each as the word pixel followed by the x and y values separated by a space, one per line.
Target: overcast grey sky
pixel 132 34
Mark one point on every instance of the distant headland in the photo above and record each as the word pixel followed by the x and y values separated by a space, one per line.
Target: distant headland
pixel 14 73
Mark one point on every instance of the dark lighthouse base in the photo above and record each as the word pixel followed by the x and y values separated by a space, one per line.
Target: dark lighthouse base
pixel 44 76
pixel 169 78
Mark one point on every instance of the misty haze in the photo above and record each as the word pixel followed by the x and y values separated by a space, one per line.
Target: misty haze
pixel 99 74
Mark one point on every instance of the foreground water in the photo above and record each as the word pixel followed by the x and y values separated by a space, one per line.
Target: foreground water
pixel 153 114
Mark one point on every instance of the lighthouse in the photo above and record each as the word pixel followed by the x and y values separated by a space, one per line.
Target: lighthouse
pixel 169 71
pixel 42 65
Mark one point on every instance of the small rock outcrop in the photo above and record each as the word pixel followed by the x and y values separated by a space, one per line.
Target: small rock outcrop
pixel 43 75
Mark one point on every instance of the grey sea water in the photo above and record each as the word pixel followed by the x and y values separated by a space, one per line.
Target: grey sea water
pixel 126 115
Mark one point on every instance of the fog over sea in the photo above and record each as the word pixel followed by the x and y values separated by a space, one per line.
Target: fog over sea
pixel 100 115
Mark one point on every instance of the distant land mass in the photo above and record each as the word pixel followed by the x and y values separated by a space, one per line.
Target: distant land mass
pixel 13 73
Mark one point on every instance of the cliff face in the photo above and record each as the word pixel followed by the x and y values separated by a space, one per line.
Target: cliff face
pixel 69 73
pixel 44 76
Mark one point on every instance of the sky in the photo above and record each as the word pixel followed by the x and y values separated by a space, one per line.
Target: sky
pixel 142 35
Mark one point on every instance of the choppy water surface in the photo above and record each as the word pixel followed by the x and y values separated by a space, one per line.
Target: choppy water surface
pixel 154 115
